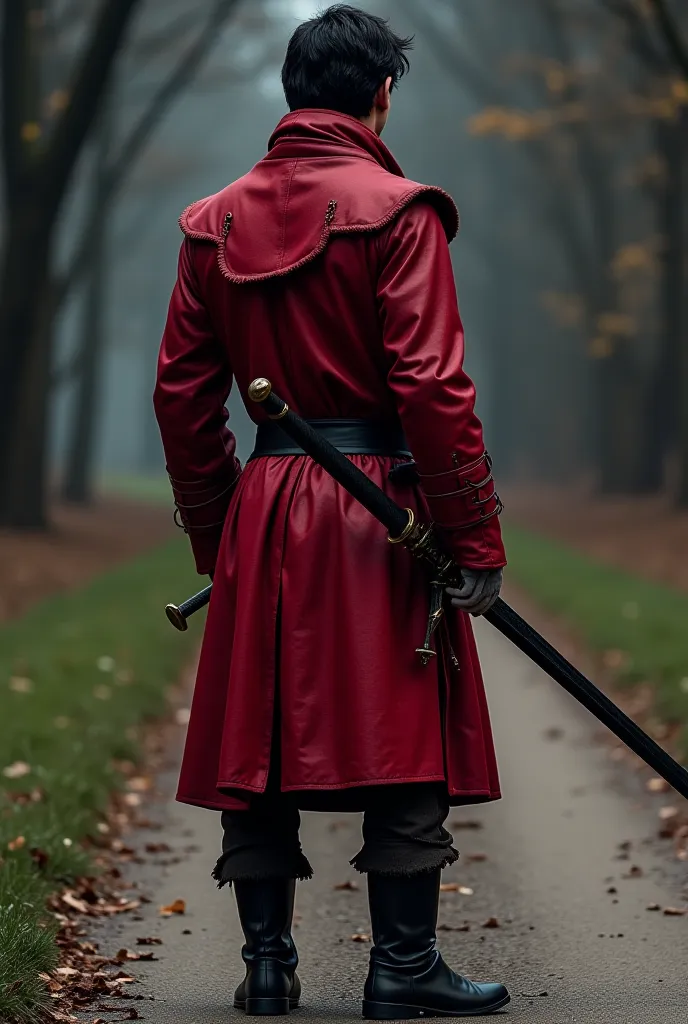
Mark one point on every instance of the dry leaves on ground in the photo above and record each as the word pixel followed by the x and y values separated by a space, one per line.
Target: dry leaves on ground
pixel 360 937
pixel 347 887
pixel 126 954
pixel 177 907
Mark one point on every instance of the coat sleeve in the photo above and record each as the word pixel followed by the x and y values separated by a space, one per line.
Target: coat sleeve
pixel 194 380
pixel 424 345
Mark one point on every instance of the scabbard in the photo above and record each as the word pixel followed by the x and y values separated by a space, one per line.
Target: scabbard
pixel 423 544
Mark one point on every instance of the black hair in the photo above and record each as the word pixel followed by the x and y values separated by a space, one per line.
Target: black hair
pixel 339 59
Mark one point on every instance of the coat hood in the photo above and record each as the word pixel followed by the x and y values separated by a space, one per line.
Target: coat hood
pixel 324 174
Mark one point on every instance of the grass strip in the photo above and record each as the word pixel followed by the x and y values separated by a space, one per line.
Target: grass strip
pixel 640 627
pixel 79 676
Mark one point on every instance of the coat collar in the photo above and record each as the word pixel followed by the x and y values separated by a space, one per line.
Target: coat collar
pixel 312 133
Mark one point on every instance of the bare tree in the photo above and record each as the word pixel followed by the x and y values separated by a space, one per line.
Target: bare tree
pixel 36 177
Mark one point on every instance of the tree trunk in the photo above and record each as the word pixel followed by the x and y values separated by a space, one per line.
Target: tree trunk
pixel 663 414
pixel 677 300
pixel 78 478
pixel 24 506
pixel 24 305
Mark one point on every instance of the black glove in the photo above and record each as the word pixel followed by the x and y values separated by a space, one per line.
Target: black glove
pixel 478 591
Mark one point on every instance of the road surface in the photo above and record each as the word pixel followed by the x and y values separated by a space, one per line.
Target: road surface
pixel 569 948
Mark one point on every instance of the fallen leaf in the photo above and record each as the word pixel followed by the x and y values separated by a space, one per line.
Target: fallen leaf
pixel 66 972
pixel 360 937
pixel 476 858
pixel 158 848
pixel 463 823
pixel 675 911
pixel 178 907
pixel 148 941
pixel 17 770
pixel 614 658
pixel 346 887
pixel 21 685
pixel 124 954
pixel 633 872
pixel 39 857
pixel 76 904
pixel 182 716
pixel 465 890
pixel 139 784
pixel 453 928
pixel 449 887
pixel 492 922
pixel 657 785
pixel 612 890
pixel 16 844
pixel 653 906
pixel 667 813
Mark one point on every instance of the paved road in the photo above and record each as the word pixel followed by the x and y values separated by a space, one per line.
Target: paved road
pixel 568 949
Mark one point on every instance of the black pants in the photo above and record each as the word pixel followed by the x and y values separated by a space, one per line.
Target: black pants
pixel 403 834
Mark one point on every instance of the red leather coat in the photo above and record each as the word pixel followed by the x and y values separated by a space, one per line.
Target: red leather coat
pixel 327 271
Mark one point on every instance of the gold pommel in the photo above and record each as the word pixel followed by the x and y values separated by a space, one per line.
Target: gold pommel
pixel 176 618
pixel 259 389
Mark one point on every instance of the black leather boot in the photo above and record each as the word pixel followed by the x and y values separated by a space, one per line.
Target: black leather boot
pixel 408 978
pixel 271 987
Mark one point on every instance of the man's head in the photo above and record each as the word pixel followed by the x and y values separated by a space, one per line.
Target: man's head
pixel 347 60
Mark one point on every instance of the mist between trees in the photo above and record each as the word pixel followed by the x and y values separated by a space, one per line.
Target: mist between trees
pixel 566 147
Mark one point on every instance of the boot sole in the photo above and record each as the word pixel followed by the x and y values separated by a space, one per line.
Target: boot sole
pixel 266 1007
pixel 400 1011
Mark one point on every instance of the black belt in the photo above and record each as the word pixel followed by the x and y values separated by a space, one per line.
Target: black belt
pixel 352 437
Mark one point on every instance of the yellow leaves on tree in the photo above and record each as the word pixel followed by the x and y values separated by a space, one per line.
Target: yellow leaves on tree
pixel 616 324
pixel 522 125
pixel 635 257
pixel 568 310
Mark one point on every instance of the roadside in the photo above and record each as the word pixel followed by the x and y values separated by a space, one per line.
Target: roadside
pixel 645 536
pixel 81 543
pixel 562 891
pixel 615 574
pixel 85 663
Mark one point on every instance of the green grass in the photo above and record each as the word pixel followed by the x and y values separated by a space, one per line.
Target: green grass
pixel 612 610
pixel 154 489
pixel 79 675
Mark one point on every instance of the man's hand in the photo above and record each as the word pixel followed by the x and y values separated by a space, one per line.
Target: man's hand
pixel 478 591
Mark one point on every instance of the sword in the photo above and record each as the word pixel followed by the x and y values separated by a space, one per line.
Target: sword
pixel 422 542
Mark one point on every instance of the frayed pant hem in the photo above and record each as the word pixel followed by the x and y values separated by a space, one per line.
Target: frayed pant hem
pixel 225 872
pixel 400 866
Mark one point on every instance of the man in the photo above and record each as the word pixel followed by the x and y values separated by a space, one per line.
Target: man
pixel 327 271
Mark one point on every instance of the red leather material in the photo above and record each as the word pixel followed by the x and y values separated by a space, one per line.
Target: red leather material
pixel 355 318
